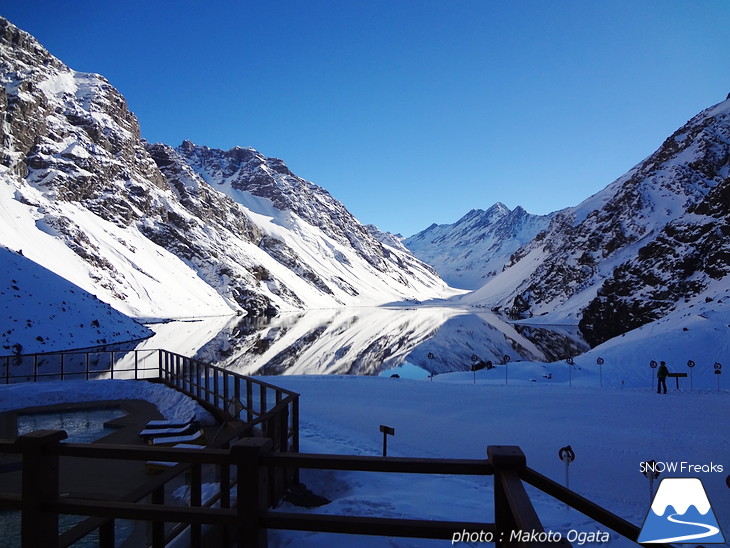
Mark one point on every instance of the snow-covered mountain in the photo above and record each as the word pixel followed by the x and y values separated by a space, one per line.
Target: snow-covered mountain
pixel 164 232
pixel 638 249
pixel 476 247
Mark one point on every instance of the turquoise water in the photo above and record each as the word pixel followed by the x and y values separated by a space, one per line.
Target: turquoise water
pixel 81 425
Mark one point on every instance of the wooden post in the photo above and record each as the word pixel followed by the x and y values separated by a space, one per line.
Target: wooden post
pixel 387 431
pixel 158 527
pixel 252 490
pixel 504 457
pixel 39 520
pixel 196 500
pixel 106 534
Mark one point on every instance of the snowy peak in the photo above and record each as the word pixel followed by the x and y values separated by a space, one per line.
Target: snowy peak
pixel 477 246
pixel 680 494
pixel 267 187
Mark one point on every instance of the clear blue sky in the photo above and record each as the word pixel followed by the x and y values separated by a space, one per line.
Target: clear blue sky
pixel 409 112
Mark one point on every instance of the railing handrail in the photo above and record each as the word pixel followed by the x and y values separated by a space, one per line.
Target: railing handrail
pixel 223 370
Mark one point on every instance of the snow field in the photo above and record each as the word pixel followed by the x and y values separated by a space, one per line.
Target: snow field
pixel 612 432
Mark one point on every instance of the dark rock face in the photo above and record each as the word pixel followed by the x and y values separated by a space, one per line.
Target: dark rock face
pixel 675 266
pixel 648 241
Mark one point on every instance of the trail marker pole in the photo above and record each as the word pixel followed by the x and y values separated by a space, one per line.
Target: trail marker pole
pixel 430 357
pixel 474 360
pixel 386 430
pixel 570 363
pixel 506 359
pixel 691 365
pixel 651 473
pixel 600 363
pixel 567 455
pixel 653 366
pixel 718 372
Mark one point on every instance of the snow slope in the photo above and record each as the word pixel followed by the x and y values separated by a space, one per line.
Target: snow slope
pixel 42 312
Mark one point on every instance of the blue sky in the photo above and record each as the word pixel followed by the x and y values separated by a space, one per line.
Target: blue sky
pixel 409 112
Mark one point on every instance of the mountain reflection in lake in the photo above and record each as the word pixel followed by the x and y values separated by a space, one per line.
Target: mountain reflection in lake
pixel 369 341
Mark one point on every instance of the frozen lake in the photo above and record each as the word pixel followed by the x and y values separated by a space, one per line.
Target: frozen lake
pixel 365 341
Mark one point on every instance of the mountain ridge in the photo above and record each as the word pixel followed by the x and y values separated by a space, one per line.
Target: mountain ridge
pixel 476 247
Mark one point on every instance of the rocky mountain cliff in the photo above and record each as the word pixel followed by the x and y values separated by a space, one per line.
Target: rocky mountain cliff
pixel 629 254
pixel 157 231
pixel 476 247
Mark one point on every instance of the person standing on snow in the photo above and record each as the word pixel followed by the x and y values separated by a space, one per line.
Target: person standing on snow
pixel 661 376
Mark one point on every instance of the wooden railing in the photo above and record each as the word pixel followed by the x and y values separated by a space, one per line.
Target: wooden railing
pixel 242 516
pixel 248 474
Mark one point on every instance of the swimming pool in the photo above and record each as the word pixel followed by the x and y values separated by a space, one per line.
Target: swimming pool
pixel 82 425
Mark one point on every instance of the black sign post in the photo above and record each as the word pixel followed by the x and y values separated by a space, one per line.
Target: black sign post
pixel 691 365
pixel 387 431
pixel 506 359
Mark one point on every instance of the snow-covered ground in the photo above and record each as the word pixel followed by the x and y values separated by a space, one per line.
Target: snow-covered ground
pixel 611 430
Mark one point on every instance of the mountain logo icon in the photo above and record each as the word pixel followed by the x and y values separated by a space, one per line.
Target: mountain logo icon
pixel 680 512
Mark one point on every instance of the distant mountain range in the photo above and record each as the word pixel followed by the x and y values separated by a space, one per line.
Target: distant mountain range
pixel 475 248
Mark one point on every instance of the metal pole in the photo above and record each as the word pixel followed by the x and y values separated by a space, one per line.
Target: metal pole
pixel 651 488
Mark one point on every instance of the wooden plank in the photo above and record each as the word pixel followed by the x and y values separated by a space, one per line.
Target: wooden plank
pixel 145 512
pixel 356 525
pixel 464 467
